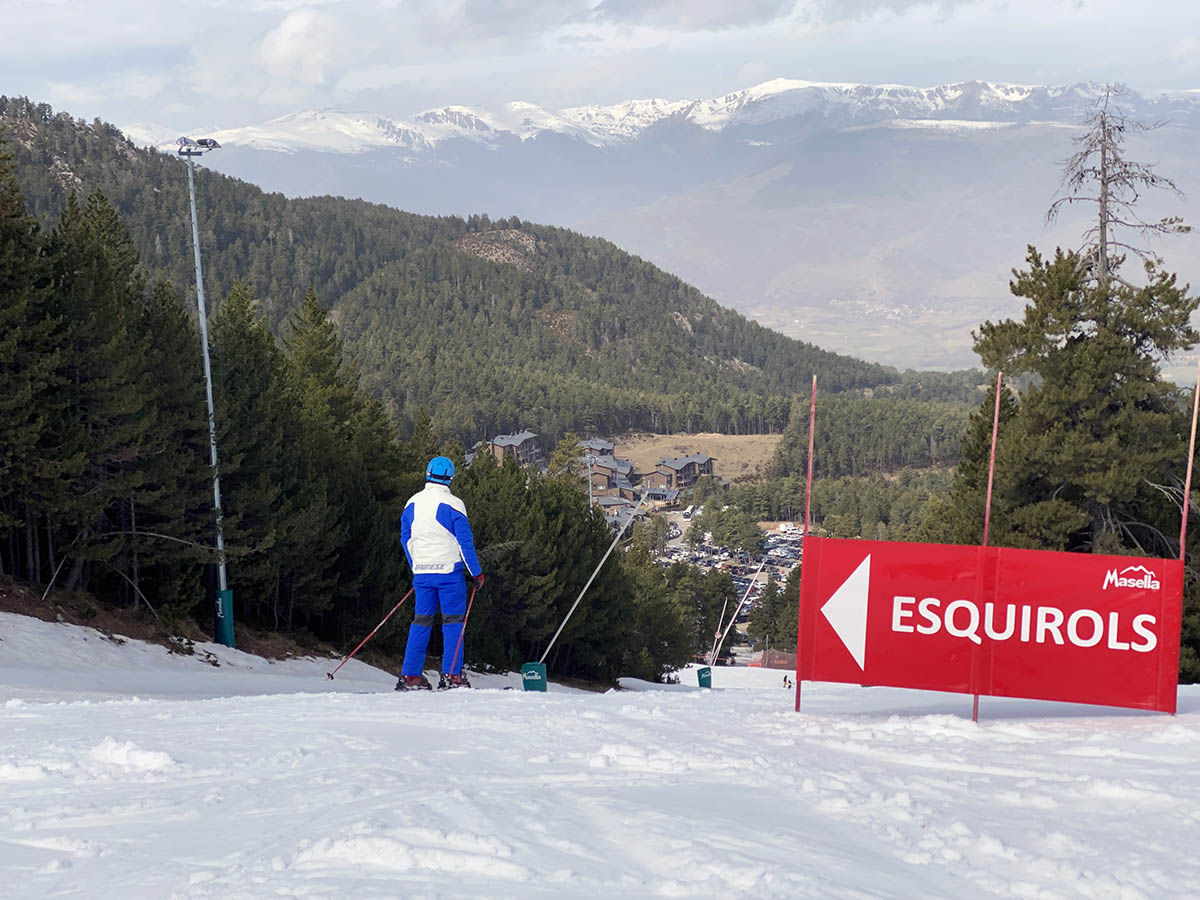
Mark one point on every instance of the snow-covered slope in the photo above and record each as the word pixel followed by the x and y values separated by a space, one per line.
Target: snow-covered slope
pixel 128 773
pixel 329 131
pixel 337 131
pixel 44 660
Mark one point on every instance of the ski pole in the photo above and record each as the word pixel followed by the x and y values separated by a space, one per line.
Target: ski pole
pixel 462 634
pixel 330 675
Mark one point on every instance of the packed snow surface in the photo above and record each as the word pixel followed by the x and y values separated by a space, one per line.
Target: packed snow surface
pixel 126 772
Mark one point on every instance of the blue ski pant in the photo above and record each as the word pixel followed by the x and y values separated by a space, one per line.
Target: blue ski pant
pixel 449 592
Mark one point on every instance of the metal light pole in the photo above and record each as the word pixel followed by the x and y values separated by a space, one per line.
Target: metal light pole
pixel 189 149
pixel 591 459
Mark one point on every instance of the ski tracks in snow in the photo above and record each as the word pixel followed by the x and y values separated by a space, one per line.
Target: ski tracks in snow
pixel 679 793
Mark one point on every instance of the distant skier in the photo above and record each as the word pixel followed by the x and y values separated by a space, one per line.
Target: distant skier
pixel 787 682
pixel 439 545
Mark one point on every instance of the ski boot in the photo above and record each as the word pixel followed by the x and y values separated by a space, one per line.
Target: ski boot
pixel 413 683
pixel 449 682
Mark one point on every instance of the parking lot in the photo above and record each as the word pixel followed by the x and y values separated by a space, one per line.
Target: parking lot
pixel 782 554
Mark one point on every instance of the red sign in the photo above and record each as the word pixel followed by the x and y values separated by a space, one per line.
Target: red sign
pixel 992 621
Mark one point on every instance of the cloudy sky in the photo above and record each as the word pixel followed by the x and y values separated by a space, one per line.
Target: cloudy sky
pixel 223 63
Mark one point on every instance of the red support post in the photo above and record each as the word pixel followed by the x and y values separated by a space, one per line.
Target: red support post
pixel 812 424
pixel 812 421
pixel 1187 484
pixel 987 504
pixel 987 509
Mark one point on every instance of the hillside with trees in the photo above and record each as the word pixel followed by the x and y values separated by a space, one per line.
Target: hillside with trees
pixel 878 462
pixel 489 325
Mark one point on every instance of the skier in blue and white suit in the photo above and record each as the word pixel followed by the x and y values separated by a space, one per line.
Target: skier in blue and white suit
pixel 440 547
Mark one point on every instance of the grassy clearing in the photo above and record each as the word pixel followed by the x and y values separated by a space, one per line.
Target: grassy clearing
pixel 738 456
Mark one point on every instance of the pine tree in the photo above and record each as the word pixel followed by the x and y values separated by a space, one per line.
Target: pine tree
pixel 361 463
pixel 278 527
pixel 650 535
pixel 318 359
pixel 702 595
pixel 567 458
pixel 659 637
pixel 1098 421
pixel 1100 174
pixel 957 518
pixel 788 619
pixel 103 408
pixel 764 616
pixel 29 358
pixel 423 443
pixel 170 512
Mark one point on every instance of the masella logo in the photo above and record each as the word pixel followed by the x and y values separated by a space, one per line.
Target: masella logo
pixel 1131 577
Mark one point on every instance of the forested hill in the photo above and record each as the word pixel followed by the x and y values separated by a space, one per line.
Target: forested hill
pixel 490 326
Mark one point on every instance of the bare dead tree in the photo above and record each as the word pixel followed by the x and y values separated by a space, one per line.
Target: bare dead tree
pixel 1098 173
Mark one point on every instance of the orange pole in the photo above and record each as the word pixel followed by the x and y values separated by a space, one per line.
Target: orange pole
pixel 1187 484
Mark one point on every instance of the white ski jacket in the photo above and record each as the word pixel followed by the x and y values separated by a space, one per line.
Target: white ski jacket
pixel 436 534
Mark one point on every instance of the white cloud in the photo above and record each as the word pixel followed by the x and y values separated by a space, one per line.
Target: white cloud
pixel 230 62
pixel 300 47
pixel 1185 50
pixel 753 72
pixel 692 15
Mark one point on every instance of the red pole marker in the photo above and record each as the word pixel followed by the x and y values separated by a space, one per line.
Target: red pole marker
pixel 462 634
pixel 812 426
pixel 330 675
pixel 987 506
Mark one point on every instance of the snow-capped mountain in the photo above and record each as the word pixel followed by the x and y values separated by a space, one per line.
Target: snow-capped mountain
pixel 879 220
pixel 338 131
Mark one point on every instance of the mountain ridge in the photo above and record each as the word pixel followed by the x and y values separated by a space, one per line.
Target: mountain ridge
pixel 489 325
pixel 880 221
pixel 334 129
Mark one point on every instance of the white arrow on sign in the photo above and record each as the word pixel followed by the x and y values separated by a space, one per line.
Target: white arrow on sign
pixel 846 611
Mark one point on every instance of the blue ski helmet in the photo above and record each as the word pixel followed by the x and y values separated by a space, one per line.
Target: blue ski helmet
pixel 440 469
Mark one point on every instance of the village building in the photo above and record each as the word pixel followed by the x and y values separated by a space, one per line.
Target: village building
pixel 668 496
pixel 678 473
pixel 597 446
pixel 608 475
pixel 619 512
pixel 522 446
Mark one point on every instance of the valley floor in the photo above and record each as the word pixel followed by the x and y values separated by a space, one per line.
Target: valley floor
pixel 129 773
